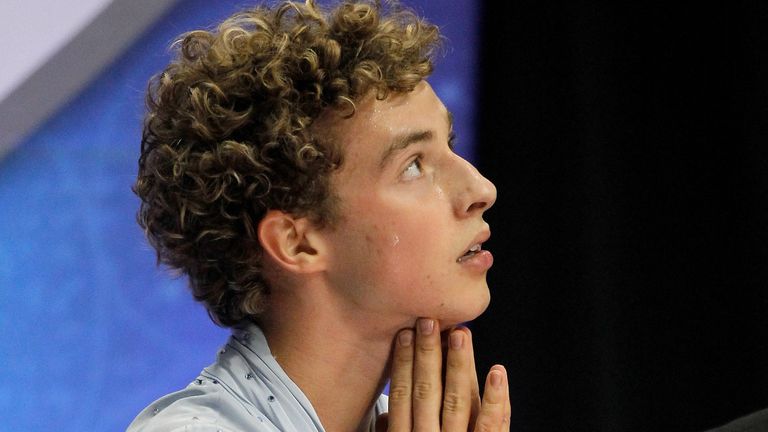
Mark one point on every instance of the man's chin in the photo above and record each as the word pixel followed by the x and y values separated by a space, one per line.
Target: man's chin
pixel 464 316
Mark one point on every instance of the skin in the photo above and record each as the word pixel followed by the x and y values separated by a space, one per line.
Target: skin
pixel 409 208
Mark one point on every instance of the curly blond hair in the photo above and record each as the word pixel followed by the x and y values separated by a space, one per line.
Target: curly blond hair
pixel 227 133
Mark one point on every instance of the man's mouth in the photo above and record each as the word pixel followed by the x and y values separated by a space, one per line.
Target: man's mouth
pixel 470 253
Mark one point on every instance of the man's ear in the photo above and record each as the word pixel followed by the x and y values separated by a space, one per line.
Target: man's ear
pixel 293 243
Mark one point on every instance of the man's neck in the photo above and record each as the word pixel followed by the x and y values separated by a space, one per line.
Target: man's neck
pixel 339 360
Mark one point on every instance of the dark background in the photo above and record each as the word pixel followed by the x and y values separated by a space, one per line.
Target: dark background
pixel 628 145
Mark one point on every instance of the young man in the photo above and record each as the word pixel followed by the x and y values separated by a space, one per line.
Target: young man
pixel 297 166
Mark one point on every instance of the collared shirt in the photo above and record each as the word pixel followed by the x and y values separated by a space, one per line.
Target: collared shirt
pixel 244 390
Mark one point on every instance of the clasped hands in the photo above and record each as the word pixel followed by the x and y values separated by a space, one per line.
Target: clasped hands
pixel 434 385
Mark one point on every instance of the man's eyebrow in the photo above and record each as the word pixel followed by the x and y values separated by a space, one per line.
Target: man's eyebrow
pixel 400 142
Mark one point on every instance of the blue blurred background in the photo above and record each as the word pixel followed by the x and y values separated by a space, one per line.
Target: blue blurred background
pixel 92 330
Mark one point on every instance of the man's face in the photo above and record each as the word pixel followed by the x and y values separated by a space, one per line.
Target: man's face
pixel 410 210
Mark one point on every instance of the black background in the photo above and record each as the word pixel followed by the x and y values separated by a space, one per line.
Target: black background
pixel 629 145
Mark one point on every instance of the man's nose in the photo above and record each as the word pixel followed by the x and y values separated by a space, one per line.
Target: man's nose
pixel 476 194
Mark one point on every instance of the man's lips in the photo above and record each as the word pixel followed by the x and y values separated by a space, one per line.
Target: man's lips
pixel 475 247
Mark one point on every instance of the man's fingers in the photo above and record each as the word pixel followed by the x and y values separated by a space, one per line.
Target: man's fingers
pixel 493 416
pixel 457 396
pixel 427 385
pixel 417 400
pixel 401 383
pixel 507 406
pixel 475 387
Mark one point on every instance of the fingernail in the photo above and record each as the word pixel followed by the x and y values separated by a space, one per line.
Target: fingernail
pixel 405 338
pixel 426 326
pixel 457 340
pixel 496 378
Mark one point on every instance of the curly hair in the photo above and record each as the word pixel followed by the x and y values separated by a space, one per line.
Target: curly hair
pixel 227 132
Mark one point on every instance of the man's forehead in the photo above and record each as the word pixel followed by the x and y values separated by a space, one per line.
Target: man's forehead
pixel 341 124
pixel 380 128
pixel 336 121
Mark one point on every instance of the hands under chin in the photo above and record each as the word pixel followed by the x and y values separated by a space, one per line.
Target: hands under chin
pixel 434 385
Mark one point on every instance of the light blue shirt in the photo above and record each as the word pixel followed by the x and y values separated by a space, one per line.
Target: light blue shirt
pixel 244 390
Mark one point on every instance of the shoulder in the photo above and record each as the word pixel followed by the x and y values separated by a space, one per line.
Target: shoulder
pixel 755 422
pixel 200 408
pixel 185 428
pixel 196 427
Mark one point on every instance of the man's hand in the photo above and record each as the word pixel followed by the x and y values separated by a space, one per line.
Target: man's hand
pixel 418 399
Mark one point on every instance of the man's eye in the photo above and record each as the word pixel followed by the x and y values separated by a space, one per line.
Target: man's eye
pixel 413 170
